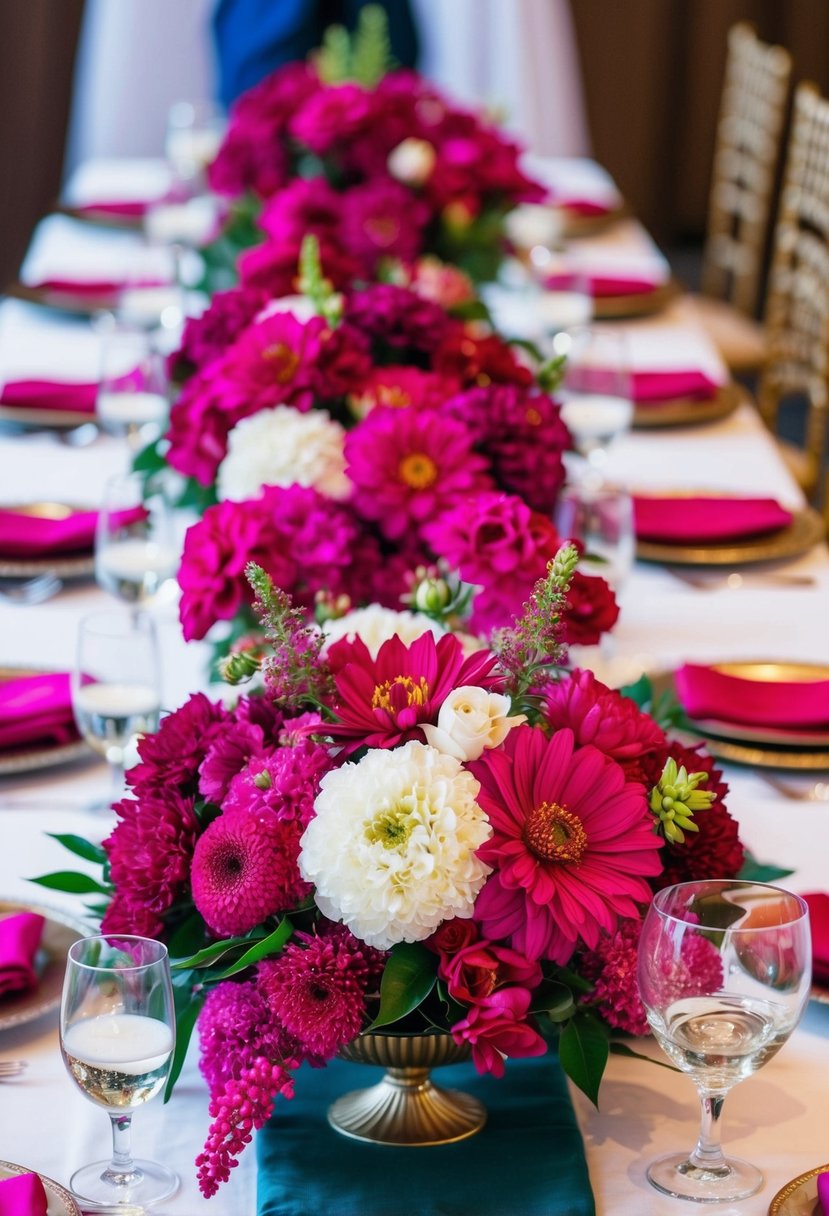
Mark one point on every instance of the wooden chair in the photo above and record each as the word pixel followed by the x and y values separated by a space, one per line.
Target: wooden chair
pixel 749 131
pixel 797 307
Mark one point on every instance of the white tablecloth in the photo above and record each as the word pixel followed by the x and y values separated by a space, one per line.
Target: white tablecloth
pixel 777 1119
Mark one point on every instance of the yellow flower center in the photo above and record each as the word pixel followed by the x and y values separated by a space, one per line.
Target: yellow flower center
pixel 553 833
pixel 418 470
pixel 532 416
pixel 399 693
pixel 393 395
pixel 391 829
pixel 285 361
pixel 382 229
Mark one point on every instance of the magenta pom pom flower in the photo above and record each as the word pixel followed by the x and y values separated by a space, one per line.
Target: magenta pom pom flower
pixel 601 716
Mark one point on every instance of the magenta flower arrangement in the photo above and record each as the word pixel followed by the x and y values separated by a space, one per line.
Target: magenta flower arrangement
pixel 404 832
pixel 378 164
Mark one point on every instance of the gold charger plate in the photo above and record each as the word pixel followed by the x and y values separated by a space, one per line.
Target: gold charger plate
pixel 32 759
pixel 686 411
pixel 798 1197
pixel 60 930
pixel 80 564
pixel 803 533
pixel 636 304
pixel 575 225
pixel 58 1200
pixel 63 301
pixel 30 416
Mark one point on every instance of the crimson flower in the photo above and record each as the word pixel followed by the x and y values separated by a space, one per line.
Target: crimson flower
pixel 497 1027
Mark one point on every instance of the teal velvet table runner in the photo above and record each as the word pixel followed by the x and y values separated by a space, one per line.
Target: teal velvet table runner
pixel 527 1161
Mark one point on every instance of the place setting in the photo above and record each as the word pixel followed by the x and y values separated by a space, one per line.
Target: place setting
pixel 34 943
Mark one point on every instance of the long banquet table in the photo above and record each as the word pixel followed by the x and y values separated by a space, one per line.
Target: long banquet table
pixel 777 1119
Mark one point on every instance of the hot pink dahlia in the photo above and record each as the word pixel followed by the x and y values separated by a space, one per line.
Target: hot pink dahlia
pixel 382 702
pixel 285 782
pixel 272 362
pixel 497 1027
pixel 151 848
pixel 316 990
pixel 612 967
pixel 601 716
pixel 244 869
pixel 408 466
pixel 229 754
pixel 572 848
pixel 171 756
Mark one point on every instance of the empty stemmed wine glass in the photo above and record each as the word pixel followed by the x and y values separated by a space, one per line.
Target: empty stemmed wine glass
pixel 595 392
pixel 136 554
pixel 116 685
pixel 133 385
pixel 117 1035
pixel 724 975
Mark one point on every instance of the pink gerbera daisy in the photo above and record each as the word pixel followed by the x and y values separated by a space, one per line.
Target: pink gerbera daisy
pixel 383 702
pixel 406 469
pixel 572 846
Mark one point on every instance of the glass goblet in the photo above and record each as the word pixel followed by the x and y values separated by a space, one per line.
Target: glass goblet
pixel 133 385
pixel 136 555
pixel 724 975
pixel 117 1035
pixel 595 392
pixel 600 517
pixel 194 135
pixel 116 685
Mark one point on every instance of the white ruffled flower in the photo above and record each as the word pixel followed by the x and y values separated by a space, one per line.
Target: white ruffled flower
pixel 283 447
pixel 412 161
pixel 391 849
pixel 375 625
pixel 471 720
pixel 301 307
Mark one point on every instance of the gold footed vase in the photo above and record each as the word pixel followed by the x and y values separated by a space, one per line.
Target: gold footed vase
pixel 406 1107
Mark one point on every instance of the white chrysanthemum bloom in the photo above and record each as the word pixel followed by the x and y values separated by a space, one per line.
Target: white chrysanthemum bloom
pixel 375 625
pixel 412 161
pixel 471 720
pixel 283 447
pixel 391 849
pixel 300 306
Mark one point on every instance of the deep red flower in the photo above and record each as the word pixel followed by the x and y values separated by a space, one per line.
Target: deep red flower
pixel 591 610
pixel 603 717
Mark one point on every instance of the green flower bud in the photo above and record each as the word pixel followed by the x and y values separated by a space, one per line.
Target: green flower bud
pixel 675 799
pixel 237 668
pixel 432 595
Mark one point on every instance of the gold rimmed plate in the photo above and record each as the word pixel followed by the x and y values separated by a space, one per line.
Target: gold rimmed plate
pixel 59 1202
pixel 688 411
pixel 575 225
pixel 77 564
pixel 814 738
pixel 635 304
pixel 39 419
pixel 23 759
pixel 60 930
pixel 802 534
pixel 798 1197
pixel 82 304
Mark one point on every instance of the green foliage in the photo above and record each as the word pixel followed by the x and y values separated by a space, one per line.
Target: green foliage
pixel 188 1004
pixel 221 255
pixel 80 847
pixel 265 948
pixel 72 882
pixel 583 1048
pixel 758 871
pixel 408 978
pixel 364 57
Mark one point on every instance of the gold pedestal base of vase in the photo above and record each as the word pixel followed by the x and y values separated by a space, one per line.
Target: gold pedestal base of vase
pixel 406 1108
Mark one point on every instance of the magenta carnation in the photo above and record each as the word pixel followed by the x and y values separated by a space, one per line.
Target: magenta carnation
pixel 235 747
pixel 382 219
pixel 613 968
pixel 150 851
pixel 407 467
pixel 229 312
pixel 333 115
pixel 171 756
pixel 399 318
pixel 601 716
pixel 572 848
pixel 201 419
pixel 305 205
pixel 285 782
pixel 244 870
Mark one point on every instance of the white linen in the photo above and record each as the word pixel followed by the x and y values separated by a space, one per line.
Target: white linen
pixel 776 1119
pixel 66 248
pixel 118 180
pixel 654 346
pixel 573 179
pixel 625 250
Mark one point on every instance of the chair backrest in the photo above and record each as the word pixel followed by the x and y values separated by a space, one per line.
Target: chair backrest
pixel 797 305
pixel 749 131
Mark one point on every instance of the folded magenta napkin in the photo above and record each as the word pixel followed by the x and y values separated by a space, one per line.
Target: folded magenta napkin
pixel 36 709
pixel 22 1195
pixel 19 939
pixel 686 521
pixel 128 208
pixel 23 535
pixel 92 289
pixel 652 388
pixel 823 1194
pixel 818 903
pixel 607 284
pixel 49 395
pixel 787 705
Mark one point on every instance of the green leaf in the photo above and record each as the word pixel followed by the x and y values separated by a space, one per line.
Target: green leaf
pixel 211 954
pixel 71 881
pixel 271 944
pixel 759 871
pixel 640 692
pixel 80 847
pixel 554 999
pixel 408 978
pixel 188 1006
pixel 97 910
pixel 583 1049
pixel 187 937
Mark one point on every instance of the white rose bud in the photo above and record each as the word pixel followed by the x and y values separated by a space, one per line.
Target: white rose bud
pixel 471 720
pixel 412 161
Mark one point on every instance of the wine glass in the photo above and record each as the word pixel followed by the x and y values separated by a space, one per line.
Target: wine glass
pixel 117 1035
pixel 136 555
pixel 194 134
pixel 600 518
pixel 724 975
pixel 595 392
pixel 116 685
pixel 565 299
pixel 133 386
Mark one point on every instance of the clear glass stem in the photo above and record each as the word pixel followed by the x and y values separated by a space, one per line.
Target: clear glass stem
pixel 121 1170
pixel 707 1154
pixel 117 770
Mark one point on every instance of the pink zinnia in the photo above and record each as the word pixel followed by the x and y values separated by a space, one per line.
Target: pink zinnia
pixel 272 363
pixel 285 782
pixel 407 467
pixel 245 869
pixel 497 1027
pixel 613 968
pixel 572 847
pixel 601 716
pixel 382 702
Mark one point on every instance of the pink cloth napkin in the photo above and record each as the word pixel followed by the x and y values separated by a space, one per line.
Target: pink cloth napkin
pixel 819 918
pixel 50 395
pixel 606 285
pixel 92 289
pixel 823 1193
pixel 688 521
pixel 36 709
pixel 129 208
pixel 19 939
pixel 706 693
pixel 22 1195
pixel 24 535
pixel 653 388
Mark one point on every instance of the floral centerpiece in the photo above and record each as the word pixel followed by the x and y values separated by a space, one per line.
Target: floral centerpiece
pixel 376 162
pixel 352 439
pixel 403 833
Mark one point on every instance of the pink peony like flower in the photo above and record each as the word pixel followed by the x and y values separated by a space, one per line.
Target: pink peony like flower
pixel 497 1027
pixel 591 610
pixel 201 419
pixel 602 717
pixel 382 219
pixel 333 115
pixel 235 747
pixel 399 318
pixel 305 205
pixel 406 469
pixel 613 968
pixel 245 869
pixel 382 702
pixel 171 756
pixel 316 989
pixel 286 782
pixel 572 847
